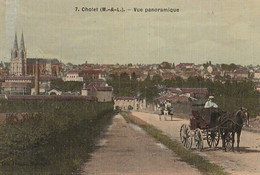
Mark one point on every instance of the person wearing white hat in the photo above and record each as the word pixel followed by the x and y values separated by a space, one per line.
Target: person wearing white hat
pixel 210 103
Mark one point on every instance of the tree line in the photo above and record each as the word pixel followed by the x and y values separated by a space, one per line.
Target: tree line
pixel 229 95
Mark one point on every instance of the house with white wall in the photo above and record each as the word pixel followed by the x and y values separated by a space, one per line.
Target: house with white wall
pixel 72 76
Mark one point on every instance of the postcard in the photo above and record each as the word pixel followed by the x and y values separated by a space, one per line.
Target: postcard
pixel 129 87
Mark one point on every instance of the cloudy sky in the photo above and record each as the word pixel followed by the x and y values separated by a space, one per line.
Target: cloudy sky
pixel 223 31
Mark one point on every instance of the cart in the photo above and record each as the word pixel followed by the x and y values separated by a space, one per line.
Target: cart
pixel 202 127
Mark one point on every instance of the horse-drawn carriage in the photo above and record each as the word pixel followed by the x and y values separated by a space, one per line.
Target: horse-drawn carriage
pixel 165 108
pixel 211 124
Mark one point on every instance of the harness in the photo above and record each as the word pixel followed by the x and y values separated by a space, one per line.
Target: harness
pixel 230 119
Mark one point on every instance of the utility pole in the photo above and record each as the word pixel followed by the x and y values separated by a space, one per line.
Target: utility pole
pixel 119 81
pixel 138 91
pixel 145 92
pixel 36 78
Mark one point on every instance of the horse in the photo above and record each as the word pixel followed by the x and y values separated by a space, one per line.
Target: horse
pixel 232 124
pixel 160 113
pixel 161 109
pixel 165 109
pixel 165 112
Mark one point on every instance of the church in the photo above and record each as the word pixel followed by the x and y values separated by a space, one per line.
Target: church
pixel 22 66
pixel 18 58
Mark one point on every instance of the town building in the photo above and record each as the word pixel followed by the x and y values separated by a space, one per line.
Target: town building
pixel 190 73
pixel 210 69
pixel 18 58
pixel 166 65
pixel 229 74
pixel 99 90
pixel 129 103
pixel 241 75
pixel 15 88
pixel 54 91
pixel 188 92
pixel 51 66
pixel 24 85
pixel 175 99
pixel 17 85
pixel 44 85
pixel 22 66
pixel 257 74
pixel 92 74
pixel 72 76
pixel 185 66
pixel 167 74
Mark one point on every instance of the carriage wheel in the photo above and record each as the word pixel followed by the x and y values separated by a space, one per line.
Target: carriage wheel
pixel 213 138
pixel 228 141
pixel 198 139
pixel 186 136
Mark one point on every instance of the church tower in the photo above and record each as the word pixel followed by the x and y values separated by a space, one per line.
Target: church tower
pixel 18 58
pixel 15 49
pixel 22 55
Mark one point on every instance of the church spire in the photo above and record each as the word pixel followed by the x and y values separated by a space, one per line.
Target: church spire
pixel 15 43
pixel 22 46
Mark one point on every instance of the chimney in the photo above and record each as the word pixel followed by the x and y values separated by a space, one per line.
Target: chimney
pixel 37 77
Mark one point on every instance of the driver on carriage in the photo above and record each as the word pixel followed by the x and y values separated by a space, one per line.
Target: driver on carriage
pixel 210 103
pixel 211 110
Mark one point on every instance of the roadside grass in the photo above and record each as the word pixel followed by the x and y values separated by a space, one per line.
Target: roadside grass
pixel 56 141
pixel 204 166
pixel 66 153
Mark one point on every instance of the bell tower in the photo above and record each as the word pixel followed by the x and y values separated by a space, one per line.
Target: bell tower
pixel 18 58
pixel 15 50
pixel 22 55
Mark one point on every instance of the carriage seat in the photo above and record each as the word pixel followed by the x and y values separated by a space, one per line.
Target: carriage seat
pixel 197 121
pixel 210 115
pixel 196 114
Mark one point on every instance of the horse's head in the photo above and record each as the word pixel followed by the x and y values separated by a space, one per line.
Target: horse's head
pixel 245 115
pixel 242 115
pixel 244 109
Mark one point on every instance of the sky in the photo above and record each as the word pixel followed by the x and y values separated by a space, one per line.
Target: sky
pixel 221 31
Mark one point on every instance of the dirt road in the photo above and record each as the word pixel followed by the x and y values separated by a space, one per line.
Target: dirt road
pixel 126 149
pixel 244 162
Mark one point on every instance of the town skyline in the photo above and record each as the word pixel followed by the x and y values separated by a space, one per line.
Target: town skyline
pixel 17 44
pixel 198 33
pixel 39 54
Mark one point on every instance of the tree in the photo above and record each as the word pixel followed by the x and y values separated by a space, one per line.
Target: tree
pixel 157 79
pixel 229 67
pixel 179 81
pixel 124 77
pixel 133 75
pixel 66 86
pixel 208 63
pixel 167 66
